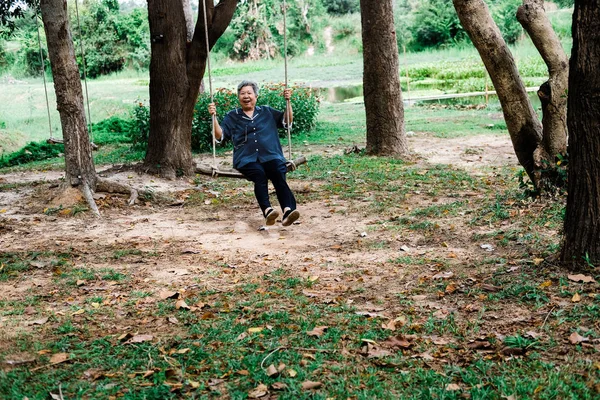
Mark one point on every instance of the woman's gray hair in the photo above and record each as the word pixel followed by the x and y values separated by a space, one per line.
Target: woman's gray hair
pixel 245 83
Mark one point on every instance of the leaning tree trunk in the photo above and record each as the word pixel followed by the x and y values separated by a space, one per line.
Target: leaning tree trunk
pixel 79 164
pixel 176 71
pixel 381 81
pixel 582 222
pixel 553 93
pixel 523 124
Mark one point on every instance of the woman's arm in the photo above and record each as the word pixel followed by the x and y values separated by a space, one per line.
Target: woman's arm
pixel 212 110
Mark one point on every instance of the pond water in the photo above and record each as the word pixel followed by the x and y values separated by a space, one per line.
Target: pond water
pixel 340 94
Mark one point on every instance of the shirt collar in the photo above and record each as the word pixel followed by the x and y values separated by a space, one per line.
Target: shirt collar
pixel 257 110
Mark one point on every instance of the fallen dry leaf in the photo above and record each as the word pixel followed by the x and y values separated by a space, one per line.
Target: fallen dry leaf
pixel 396 342
pixel 181 304
pixel 140 338
pixel 59 358
pixel 256 329
pixel 169 294
pixel 318 331
pixel 576 338
pixel 258 392
pixel 452 387
pixel 443 275
pixel 390 325
pixel 576 298
pixel 271 371
pixel 40 321
pixel 279 386
pixel 291 373
pixel 308 385
pixel 581 278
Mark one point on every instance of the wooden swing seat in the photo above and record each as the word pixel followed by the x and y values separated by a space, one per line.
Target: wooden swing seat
pixel 234 173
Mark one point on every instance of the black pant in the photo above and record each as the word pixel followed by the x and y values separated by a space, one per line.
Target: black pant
pixel 260 174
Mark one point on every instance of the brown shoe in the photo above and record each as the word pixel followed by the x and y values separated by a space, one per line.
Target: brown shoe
pixel 289 217
pixel 271 216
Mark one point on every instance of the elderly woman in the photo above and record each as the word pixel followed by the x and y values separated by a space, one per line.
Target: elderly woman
pixel 257 152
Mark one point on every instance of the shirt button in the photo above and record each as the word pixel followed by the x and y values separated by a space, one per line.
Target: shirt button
pixel 256 141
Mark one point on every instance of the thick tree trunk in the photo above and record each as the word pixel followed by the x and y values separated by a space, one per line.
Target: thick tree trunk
pixel 553 93
pixel 79 164
pixel 176 71
pixel 381 81
pixel 523 124
pixel 582 222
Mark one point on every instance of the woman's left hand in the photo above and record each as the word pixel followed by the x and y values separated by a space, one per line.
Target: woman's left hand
pixel 287 94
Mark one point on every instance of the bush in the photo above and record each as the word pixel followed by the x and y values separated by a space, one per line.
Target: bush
pixel 305 104
pixel 340 7
pixel 112 130
pixel 33 151
pixel 436 24
pixel 504 14
pixel 140 126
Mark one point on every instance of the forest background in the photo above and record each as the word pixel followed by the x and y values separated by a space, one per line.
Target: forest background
pixel 324 47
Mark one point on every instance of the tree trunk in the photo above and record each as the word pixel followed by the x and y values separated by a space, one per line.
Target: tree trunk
pixel 522 122
pixel 79 164
pixel 582 222
pixel 381 81
pixel 176 71
pixel 553 93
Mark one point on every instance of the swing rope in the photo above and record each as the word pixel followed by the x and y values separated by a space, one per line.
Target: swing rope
pixel 212 100
pixel 43 70
pixel 291 163
pixel 87 99
pixel 285 66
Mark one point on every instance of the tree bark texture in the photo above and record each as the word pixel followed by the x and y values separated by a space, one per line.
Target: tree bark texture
pixel 553 94
pixel 176 71
pixel 381 81
pixel 582 222
pixel 79 164
pixel 521 120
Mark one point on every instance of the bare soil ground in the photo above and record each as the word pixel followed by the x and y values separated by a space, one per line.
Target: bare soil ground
pixel 197 243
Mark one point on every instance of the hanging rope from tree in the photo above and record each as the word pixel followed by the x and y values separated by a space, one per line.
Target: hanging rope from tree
pixel 210 88
pixel 43 70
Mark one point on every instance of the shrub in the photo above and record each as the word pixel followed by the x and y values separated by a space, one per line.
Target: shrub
pixel 140 126
pixel 340 7
pixel 33 151
pixel 112 130
pixel 305 104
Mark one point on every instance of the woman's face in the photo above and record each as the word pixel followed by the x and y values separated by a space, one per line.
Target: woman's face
pixel 247 98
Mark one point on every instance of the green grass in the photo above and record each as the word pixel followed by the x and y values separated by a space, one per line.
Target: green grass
pixel 225 349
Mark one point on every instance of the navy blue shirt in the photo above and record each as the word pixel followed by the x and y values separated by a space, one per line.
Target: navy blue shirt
pixel 254 139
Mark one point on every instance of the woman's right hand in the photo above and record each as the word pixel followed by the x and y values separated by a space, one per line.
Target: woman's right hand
pixel 212 109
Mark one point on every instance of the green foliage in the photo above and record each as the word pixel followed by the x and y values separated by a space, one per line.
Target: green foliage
pixel 140 126
pixel 256 30
pixel 34 151
pixel 108 37
pixel 112 130
pixel 340 7
pixel 436 24
pixel 304 103
pixel 504 14
pixel 564 3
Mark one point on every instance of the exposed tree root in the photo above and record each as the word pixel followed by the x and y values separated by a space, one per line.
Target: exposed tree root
pixel 106 185
pixel 87 193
